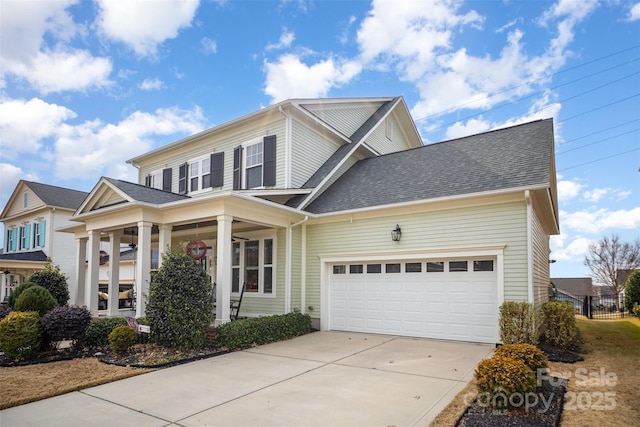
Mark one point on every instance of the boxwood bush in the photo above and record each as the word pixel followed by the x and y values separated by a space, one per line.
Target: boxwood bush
pixel 35 298
pixel 122 338
pixel 246 333
pixel 21 334
pixel 499 378
pixel 67 323
pixel 97 333
pixel 180 306
pixel 559 323
pixel 517 323
pixel 531 355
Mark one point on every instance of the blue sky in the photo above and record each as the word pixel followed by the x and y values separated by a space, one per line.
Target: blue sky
pixel 86 85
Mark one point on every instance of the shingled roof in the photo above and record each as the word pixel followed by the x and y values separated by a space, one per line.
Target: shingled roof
pixel 513 157
pixel 57 196
pixel 145 194
pixel 33 256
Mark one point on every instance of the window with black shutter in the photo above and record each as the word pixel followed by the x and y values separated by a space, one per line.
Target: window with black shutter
pixel 217 169
pixel 182 179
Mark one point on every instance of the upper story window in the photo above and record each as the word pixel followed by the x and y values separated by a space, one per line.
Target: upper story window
pixel 38 234
pixel 254 164
pixel 23 239
pixel 11 239
pixel 25 199
pixel 201 173
pixel 159 179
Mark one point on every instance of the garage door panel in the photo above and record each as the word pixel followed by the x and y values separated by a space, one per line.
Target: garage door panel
pixel 444 305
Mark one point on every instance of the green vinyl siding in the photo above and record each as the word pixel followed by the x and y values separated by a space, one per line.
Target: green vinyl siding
pixel 499 224
pixel 224 142
pixel 345 120
pixel 309 152
pixel 540 248
pixel 378 139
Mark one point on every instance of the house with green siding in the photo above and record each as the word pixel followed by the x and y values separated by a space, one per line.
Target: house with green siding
pixel 336 208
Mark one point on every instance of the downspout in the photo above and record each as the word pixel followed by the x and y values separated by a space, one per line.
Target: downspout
pixel 287 148
pixel 527 197
pixel 287 298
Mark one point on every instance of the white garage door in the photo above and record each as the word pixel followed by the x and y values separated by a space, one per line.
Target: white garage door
pixel 449 299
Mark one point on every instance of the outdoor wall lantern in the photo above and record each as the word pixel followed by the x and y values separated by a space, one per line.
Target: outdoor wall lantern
pixel 7 272
pixel 396 234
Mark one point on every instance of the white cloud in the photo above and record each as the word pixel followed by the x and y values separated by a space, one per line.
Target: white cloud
pixel 574 251
pixel 289 77
pixel 24 124
pixel 209 45
pixel 286 38
pixel 26 55
pixel 596 194
pixel 9 176
pixel 599 221
pixel 151 84
pixel 95 148
pixel 471 127
pixel 568 190
pixel 144 25
pixel 634 12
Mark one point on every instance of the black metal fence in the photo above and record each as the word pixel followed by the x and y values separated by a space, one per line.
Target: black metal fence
pixel 595 307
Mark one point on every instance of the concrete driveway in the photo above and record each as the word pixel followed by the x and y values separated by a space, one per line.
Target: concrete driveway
pixel 320 379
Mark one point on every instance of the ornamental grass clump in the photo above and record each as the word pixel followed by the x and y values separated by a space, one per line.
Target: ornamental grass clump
pixel 504 381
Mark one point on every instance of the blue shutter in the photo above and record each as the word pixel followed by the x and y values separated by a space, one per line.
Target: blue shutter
pixel 14 239
pixel 43 230
pixel 27 236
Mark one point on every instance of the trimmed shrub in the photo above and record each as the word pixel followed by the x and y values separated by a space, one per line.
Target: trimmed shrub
pixel 4 311
pixel 68 323
pixel 499 378
pixel 180 306
pixel 246 333
pixel 53 280
pixel 517 323
pixel 97 333
pixel 632 290
pixel 531 355
pixel 122 338
pixel 636 309
pixel 559 323
pixel 21 334
pixel 35 298
pixel 16 293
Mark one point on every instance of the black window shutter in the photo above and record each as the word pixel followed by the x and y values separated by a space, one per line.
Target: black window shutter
pixel 237 167
pixel 147 181
pixel 269 161
pixel 217 169
pixel 182 179
pixel 166 179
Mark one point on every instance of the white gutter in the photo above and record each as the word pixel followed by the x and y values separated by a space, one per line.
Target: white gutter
pixel 527 197
pixel 287 293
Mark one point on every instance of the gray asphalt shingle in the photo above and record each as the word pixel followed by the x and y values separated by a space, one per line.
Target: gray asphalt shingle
pixel 146 194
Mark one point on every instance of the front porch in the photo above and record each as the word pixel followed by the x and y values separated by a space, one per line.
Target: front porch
pixel 237 239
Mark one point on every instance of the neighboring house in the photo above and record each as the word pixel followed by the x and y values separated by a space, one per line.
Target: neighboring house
pixel 573 289
pixel 30 218
pixel 335 208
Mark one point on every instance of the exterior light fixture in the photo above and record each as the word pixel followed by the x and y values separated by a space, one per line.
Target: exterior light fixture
pixel 396 234
pixel 7 272
pixel 132 245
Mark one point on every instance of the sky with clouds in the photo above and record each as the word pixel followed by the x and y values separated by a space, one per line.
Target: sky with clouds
pixel 86 85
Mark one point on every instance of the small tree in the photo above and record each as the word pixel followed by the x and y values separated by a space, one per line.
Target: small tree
pixel 632 291
pixel 180 306
pixel 608 257
pixel 53 280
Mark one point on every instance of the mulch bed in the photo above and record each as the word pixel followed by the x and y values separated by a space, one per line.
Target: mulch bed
pixel 556 355
pixel 549 399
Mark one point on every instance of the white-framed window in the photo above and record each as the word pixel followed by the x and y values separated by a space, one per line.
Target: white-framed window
pixel 253 165
pixel 253 263
pixel 155 179
pixel 11 239
pixel 24 238
pixel 37 234
pixel 25 199
pixel 199 174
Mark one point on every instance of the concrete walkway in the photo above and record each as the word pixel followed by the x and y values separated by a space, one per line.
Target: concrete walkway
pixel 320 379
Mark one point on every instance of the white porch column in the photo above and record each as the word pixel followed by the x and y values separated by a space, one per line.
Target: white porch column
pixel 143 266
pixel 164 240
pixel 81 272
pixel 91 289
pixel 223 273
pixel 114 273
